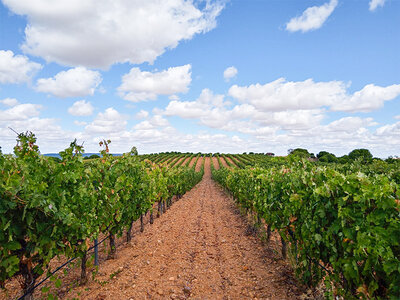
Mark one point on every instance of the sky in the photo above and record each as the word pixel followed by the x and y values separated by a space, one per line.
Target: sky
pixel 202 76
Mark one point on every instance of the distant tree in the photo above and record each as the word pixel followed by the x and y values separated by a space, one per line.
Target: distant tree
pixel 303 153
pixel 134 151
pixel 392 159
pixel 343 159
pixel 270 154
pixel 325 156
pixel 362 154
pixel 93 156
pixel 322 153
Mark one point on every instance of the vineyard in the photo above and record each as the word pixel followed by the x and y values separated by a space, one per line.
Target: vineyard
pixel 337 226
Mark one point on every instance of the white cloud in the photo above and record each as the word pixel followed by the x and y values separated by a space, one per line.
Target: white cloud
pixel 26 117
pixel 350 124
pixel 202 107
pixel 397 117
pixel 80 123
pixel 99 33
pixel 81 108
pixel 75 82
pixel 173 97
pixel 9 101
pixel 312 18
pixel 154 122
pixel 281 95
pixel 370 98
pixel 107 123
pixel 20 112
pixel 391 131
pixel 230 73
pixel 373 4
pixel 16 68
pixel 142 114
pixel 212 111
pixel 142 86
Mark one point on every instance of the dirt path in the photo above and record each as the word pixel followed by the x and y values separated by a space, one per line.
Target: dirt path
pixel 172 161
pixel 177 162
pixel 186 160
pixel 231 161
pixel 198 249
pixel 192 161
pixel 199 164
pixel 223 162
pixel 215 163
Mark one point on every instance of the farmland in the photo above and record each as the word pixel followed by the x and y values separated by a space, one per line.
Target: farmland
pixel 179 225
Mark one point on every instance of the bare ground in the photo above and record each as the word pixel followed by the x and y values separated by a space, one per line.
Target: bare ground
pixel 199 249
pixel 171 162
pixel 192 161
pixel 223 162
pixel 215 163
pixel 199 164
pixel 178 161
pixel 231 161
pixel 186 160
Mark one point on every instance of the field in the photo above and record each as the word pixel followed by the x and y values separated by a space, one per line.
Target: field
pixel 201 226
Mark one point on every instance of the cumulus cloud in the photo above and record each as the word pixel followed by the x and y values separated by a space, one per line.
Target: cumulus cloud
pixel 350 124
pixel 213 111
pixel 265 132
pixel 108 122
pixel 312 18
pixel 142 114
pixel 230 73
pixel 370 98
pixel 99 33
pixel 9 101
pixel 391 131
pixel 281 95
pixel 81 108
pixel 16 68
pixel 20 112
pixel 76 82
pixel 373 4
pixel 140 85
pixel 24 117
pixel 154 122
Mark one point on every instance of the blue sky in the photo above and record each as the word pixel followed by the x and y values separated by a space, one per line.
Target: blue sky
pixel 210 76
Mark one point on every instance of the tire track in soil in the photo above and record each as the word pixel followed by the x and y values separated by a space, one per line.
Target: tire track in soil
pixel 198 249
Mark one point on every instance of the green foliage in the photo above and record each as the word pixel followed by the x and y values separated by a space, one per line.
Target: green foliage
pixel 49 209
pixel 326 157
pixel 342 227
pixel 93 156
pixel 299 152
pixel 362 154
